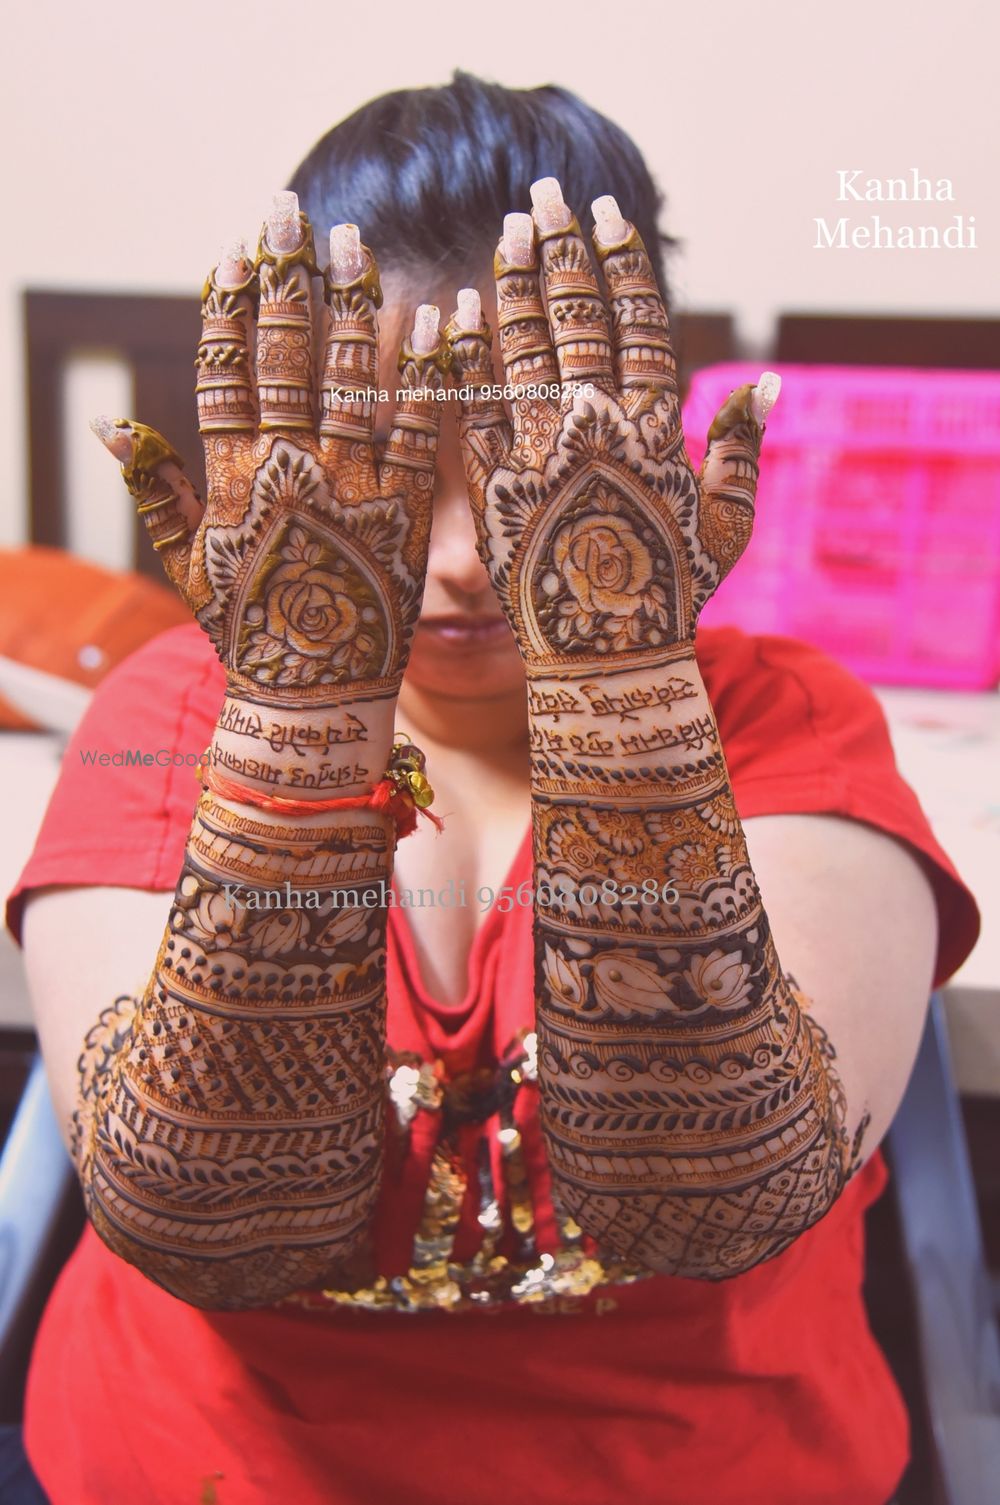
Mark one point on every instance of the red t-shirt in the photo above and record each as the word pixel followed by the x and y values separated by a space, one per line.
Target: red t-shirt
pixel 762 1389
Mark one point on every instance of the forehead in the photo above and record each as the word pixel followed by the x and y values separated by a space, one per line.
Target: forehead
pixel 404 288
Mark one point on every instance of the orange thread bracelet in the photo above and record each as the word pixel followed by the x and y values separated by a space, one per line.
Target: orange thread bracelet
pixel 396 794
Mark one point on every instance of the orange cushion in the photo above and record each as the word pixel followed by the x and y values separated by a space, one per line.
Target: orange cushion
pixel 75 619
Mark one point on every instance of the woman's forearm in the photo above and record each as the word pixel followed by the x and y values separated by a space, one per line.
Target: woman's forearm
pixel 230 1126
pixel 693 1119
pixel 231 1144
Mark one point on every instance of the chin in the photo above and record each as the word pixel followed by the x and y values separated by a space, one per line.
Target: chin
pixel 464 670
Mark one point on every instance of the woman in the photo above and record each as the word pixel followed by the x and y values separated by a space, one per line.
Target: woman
pixel 609 1103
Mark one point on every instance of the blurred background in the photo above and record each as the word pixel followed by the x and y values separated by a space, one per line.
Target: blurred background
pixel 140 139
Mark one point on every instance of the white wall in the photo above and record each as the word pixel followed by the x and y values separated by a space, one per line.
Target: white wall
pixel 140 137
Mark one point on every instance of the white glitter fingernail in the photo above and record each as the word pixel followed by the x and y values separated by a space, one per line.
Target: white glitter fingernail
pixel 114 439
pixel 284 232
pixel 551 212
pixel 519 239
pixel 346 260
pixel 469 313
pixel 608 221
pixel 765 395
pixel 233 268
pixel 426 323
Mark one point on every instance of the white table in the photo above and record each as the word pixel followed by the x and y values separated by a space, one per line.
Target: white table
pixel 948 749
pixel 29 767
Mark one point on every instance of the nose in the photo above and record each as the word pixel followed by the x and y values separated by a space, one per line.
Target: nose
pixel 452 559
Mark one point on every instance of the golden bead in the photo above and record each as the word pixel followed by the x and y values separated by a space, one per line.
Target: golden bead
pixel 423 794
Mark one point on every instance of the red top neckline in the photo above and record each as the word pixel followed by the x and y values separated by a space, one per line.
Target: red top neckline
pixel 485 937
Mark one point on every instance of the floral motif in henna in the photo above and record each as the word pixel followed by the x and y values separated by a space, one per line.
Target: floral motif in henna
pixel 232 1120
pixel 598 580
pixel 314 618
pixel 230 1123
pixel 298 587
pixel 693 1117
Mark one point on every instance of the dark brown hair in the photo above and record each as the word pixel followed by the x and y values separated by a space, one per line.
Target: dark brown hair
pixel 428 174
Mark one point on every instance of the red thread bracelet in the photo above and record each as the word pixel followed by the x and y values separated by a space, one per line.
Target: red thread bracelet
pixel 386 796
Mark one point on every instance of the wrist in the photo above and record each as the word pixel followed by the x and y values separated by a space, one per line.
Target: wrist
pixel 628 732
pixel 580 666
pixel 305 749
pixel 622 691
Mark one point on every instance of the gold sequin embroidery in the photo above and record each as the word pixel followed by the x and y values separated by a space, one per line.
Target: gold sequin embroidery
pixel 434 1281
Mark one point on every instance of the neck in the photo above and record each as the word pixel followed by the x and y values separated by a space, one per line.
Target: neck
pixel 494 728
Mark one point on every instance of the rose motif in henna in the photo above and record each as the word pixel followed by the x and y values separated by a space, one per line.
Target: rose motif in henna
pixel 314 618
pixel 599 582
pixel 605 565
pixel 305 608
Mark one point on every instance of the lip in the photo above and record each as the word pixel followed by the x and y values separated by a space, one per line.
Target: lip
pixel 465 632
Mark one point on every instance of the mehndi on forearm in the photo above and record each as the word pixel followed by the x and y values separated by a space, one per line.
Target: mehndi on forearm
pixel 692 1114
pixel 230 1127
pixel 229 1131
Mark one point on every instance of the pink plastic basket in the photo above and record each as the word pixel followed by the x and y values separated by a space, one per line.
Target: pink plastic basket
pixel 877 534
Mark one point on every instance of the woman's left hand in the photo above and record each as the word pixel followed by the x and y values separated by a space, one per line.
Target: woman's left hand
pixel 600 539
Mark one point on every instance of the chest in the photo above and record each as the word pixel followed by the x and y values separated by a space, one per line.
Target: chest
pixel 448 882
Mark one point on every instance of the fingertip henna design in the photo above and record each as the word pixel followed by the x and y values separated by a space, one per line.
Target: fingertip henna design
pixel 284 323
pixel 645 367
pixel 224 388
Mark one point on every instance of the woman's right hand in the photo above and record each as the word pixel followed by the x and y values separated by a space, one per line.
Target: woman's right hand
pixel 305 565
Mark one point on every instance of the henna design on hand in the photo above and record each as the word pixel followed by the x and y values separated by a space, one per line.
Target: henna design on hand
pixel 230 1125
pixel 599 538
pixel 305 566
pixel 692 1114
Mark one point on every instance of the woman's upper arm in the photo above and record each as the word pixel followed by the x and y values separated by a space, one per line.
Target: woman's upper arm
pixel 855 923
pixel 83 947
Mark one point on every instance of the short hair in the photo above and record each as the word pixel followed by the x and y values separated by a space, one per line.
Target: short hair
pixel 428 174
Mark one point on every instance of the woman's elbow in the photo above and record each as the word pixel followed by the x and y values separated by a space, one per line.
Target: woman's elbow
pixel 231 1282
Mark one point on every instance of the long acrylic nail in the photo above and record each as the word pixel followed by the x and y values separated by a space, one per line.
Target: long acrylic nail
pixel 284 231
pixel 608 222
pixel 551 211
pixel 469 309
pixel 116 440
pixel 765 395
pixel 234 267
pixel 519 240
pixel 346 259
pixel 426 324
